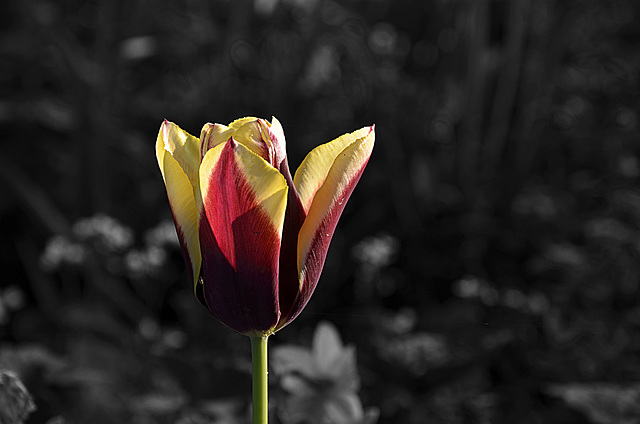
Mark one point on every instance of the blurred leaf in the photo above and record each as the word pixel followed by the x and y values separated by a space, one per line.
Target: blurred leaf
pixel 158 403
pixel 416 352
pixel 320 383
pixel 601 402
pixel 326 347
pixel 289 358
pixel 15 402
pixel 26 360
pixel 323 408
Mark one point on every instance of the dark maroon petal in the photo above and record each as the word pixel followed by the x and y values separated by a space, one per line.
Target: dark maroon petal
pixel 240 246
pixel 294 218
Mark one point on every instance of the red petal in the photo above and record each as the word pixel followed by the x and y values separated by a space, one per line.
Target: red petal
pixel 244 201
pixel 325 210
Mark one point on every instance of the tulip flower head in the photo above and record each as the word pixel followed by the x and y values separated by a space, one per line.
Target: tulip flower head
pixel 255 238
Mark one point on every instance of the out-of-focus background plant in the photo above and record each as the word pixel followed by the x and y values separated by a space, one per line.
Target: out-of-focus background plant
pixel 486 269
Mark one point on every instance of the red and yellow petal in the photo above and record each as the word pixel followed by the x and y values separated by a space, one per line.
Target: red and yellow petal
pixel 213 135
pixel 325 210
pixel 184 148
pixel 313 170
pixel 276 136
pixel 244 201
pixel 253 134
pixel 180 191
pixel 258 135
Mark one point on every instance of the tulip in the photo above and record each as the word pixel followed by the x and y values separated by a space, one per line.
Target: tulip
pixel 254 238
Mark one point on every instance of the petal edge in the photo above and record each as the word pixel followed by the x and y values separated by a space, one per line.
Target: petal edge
pixel 313 170
pixel 183 208
pixel 327 206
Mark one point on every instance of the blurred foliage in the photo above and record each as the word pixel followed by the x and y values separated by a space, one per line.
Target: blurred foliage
pixel 320 385
pixel 486 268
pixel 15 402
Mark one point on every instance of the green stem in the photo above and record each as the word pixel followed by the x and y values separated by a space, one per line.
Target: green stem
pixel 260 380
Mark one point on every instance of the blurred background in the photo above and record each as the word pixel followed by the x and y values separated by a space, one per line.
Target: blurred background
pixel 486 269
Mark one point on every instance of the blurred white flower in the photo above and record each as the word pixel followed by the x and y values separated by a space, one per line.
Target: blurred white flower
pixel 108 232
pixel 60 250
pixel 376 250
pixel 146 261
pixel 566 254
pixel 608 228
pixel 467 287
pixel 12 298
pixel 535 303
pixel 603 403
pixel 162 235
pixel 321 383
pixel 416 352
pixel 323 68
pixel 139 47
